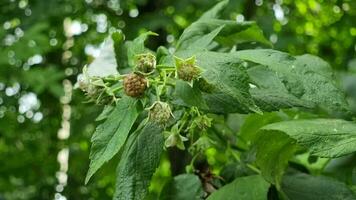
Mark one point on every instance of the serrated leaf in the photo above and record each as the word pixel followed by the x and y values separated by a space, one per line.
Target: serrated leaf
pixel 139 161
pixel 226 73
pixel 183 187
pixel 273 150
pixel 248 187
pixel 189 96
pixel 110 136
pixel 269 92
pixel 306 77
pixel 306 187
pixel 105 64
pixel 323 137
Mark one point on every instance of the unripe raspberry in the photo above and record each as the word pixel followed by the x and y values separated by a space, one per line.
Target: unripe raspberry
pixel 187 70
pixel 135 85
pixel 160 113
pixel 146 63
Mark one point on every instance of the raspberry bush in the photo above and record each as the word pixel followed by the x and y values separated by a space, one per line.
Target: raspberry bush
pixel 248 124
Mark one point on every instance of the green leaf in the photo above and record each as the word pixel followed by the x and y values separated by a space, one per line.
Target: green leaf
pixel 183 187
pixel 252 124
pixel 323 137
pixel 215 11
pixel 110 136
pixel 203 42
pixel 342 168
pixel 189 96
pixel 248 187
pixel 307 77
pixel 305 187
pixel 269 92
pixel 251 34
pixel 105 113
pixel 139 161
pixel 273 150
pixel 105 64
pixel 225 72
pixel 228 32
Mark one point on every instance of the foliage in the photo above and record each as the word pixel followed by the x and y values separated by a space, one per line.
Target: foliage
pixel 302 82
pixel 252 123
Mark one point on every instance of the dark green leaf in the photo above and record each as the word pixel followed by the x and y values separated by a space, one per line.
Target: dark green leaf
pixel 139 161
pixel 183 187
pixel 273 150
pixel 307 77
pixel 225 72
pixel 269 93
pixel 305 187
pixel 248 187
pixel 110 136
pixel 323 137
pixel 190 96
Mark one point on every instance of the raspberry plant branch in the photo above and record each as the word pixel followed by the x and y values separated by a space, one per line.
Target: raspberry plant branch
pixel 186 100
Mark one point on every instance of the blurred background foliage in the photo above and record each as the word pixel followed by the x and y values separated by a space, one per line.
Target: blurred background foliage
pixel 45 130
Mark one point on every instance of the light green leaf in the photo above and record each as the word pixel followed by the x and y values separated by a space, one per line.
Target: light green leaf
pixel 305 187
pixel 323 137
pixel 203 42
pixel 273 150
pixel 215 11
pixel 105 64
pixel 110 136
pixel 139 161
pixel 251 34
pixel 254 122
pixel 248 187
pixel 203 27
pixel 183 187
pixel 307 77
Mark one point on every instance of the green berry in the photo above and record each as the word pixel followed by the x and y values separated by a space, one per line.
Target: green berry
pixel 187 70
pixel 160 113
pixel 135 85
pixel 146 63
